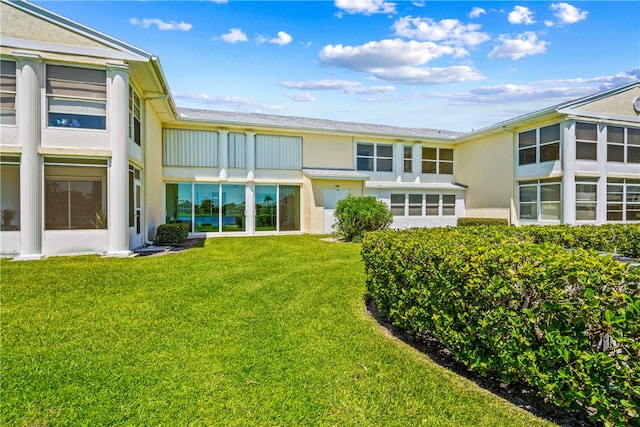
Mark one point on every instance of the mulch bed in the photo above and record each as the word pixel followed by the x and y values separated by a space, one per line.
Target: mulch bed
pixel 519 394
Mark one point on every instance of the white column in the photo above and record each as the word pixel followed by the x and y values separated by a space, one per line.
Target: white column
pixel 569 172
pixel 118 188
pixel 417 161
pixel 601 196
pixel 250 151
pixel 250 212
pixel 223 153
pixel 29 123
pixel 398 160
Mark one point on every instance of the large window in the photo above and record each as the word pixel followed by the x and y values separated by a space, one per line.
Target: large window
pixel 539 145
pixel 586 198
pixel 623 144
pixel 423 204
pixel 586 141
pixel 539 200
pixel 623 199
pixel 10 193
pixel 277 208
pixel 7 92
pixel 437 160
pixel 77 97
pixel 374 157
pixel 75 194
pixel 135 117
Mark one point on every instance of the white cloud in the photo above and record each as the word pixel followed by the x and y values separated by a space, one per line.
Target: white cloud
pixel 418 3
pixel 346 86
pixel 220 1
pixel 476 12
pixel 526 44
pixel 568 14
pixel 428 75
pixel 162 25
pixel 450 31
pixel 301 97
pixel 235 35
pixel 605 82
pixel 365 7
pixel 521 15
pixel 282 39
pixel 384 54
pixel 235 103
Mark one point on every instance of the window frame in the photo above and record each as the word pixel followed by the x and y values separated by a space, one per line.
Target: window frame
pixel 591 144
pixel 593 204
pixel 375 158
pixel 539 204
pixel 4 93
pixel 622 201
pixel 436 161
pixel 407 160
pixel 538 146
pixel 75 101
pixel 135 132
pixel 442 207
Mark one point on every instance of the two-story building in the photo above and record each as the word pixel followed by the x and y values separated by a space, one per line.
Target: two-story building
pixel 94 155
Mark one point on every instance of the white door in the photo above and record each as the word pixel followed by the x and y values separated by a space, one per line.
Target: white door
pixel 135 208
pixel 331 198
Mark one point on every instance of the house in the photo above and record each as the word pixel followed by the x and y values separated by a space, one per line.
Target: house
pixel 94 155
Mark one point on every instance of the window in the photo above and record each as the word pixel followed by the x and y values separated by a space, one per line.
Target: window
pixel 586 198
pixel 134 197
pixel 278 152
pixel 437 160
pixel 277 208
pixel 135 132
pixel 539 145
pixel 397 204
pixel 411 204
pixel 586 141
pixel 539 200
pixel 7 92
pixel 178 204
pixel 237 147
pixel 266 208
pixel 623 144
pixel 408 159
pixel 206 207
pixel 623 199
pixel 75 194
pixel 77 97
pixel 10 193
pixel 374 157
pixel 289 207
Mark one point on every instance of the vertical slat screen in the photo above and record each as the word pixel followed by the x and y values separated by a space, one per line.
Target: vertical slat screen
pixel 237 150
pixel 190 148
pixel 278 152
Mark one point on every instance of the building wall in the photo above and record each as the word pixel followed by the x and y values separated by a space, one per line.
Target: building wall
pixel 485 165
pixel 619 104
pixel 327 151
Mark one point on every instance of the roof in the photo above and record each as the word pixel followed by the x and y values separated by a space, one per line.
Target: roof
pixel 439 186
pixel 292 122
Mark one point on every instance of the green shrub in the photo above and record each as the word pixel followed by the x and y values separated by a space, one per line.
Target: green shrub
pixel 357 215
pixel 565 321
pixel 482 221
pixel 172 234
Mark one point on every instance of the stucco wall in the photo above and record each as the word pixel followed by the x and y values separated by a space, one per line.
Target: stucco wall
pixel 620 104
pixel 485 165
pixel 313 203
pixel 327 151
pixel 152 173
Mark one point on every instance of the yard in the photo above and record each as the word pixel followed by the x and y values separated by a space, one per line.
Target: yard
pixel 260 331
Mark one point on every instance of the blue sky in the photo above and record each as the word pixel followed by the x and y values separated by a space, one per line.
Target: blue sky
pixel 452 65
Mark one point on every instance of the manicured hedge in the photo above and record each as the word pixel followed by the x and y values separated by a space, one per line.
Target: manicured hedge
pixel 469 221
pixel 172 234
pixel 566 320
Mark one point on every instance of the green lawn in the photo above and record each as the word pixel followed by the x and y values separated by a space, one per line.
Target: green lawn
pixel 264 331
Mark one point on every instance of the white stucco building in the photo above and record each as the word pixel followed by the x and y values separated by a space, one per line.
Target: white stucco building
pixel 94 155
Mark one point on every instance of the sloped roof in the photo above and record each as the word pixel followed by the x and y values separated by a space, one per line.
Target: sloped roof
pixel 332 126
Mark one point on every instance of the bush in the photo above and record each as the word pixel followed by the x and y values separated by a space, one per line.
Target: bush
pixel 357 215
pixel 567 322
pixel 172 234
pixel 482 221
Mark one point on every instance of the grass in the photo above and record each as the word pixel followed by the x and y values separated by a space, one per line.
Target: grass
pixel 265 331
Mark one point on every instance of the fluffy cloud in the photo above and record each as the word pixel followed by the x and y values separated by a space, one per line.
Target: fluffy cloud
pixel 282 39
pixel 568 14
pixel 301 97
pixel 235 103
pixel 399 61
pixel 604 82
pixel 235 35
pixel 346 86
pixel 449 31
pixel 365 7
pixel 526 44
pixel 162 25
pixel 384 54
pixel 521 15
pixel 476 12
